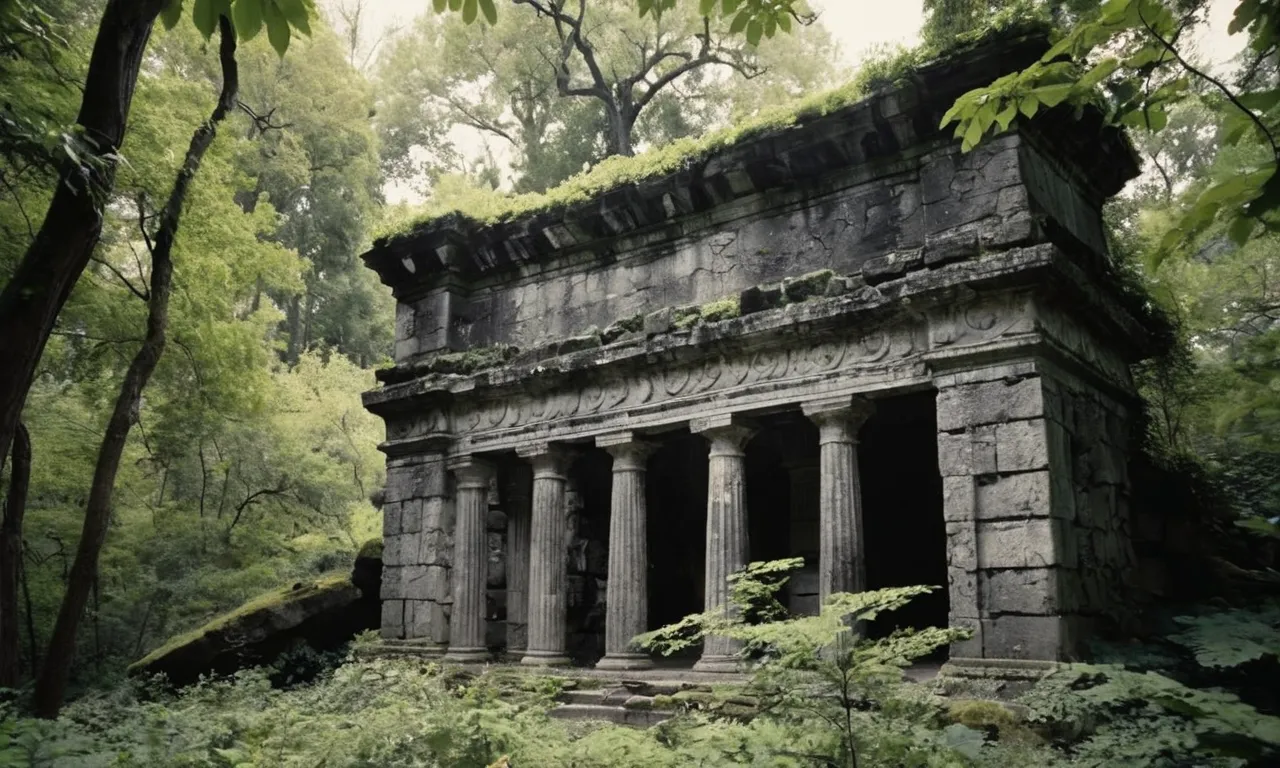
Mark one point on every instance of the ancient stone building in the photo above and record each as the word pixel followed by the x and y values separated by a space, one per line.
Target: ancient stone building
pixel 844 340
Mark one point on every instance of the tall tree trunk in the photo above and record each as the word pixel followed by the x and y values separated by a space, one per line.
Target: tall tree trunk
pixel 52 683
pixel 11 559
pixel 618 136
pixel 73 223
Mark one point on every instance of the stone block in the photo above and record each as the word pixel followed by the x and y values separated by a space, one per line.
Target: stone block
pixel 659 322
pixel 393 550
pixel 1047 638
pixel 962 546
pixel 391 519
pixel 416 481
pixel 392 619
pixel 437 514
pixel 1019 544
pixel 890 266
pixel 992 402
pixel 1021 446
pixel 804 605
pixel 984 450
pixel 1027 591
pixel 970 648
pixel 1016 496
pixel 392 587
pixel 959 498
pixel 945 250
pixel 411 515
pixel 955 454
pixel 804 582
pixel 435 547
pixel 962 590
pixel 425 620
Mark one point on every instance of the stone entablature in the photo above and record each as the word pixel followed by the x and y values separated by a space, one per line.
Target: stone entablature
pixel 981 277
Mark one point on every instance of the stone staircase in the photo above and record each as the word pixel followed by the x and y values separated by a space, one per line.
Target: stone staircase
pixel 635 703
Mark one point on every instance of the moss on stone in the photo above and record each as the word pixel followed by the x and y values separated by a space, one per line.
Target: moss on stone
pixel 471 360
pixel 484 206
pixel 807 286
pixel 371 550
pixel 721 309
pixel 686 317
pixel 274 599
pixel 993 718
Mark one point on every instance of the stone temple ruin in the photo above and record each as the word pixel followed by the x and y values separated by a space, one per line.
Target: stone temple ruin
pixel 843 340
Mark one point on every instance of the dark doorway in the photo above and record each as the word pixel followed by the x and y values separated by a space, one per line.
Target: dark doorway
pixel 676 495
pixel 906 539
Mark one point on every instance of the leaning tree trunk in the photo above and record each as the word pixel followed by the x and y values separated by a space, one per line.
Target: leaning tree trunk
pixel 11 559
pixel 72 225
pixel 51 686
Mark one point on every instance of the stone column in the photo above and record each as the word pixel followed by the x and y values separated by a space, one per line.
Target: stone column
pixel 627 609
pixel 515 499
pixel 842 564
pixel 727 546
pixel 548 566
pixel 470 560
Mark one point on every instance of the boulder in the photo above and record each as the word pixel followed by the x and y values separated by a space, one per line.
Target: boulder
pixel 322 613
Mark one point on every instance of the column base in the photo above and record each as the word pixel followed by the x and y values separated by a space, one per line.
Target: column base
pixel 545 659
pixel 467 655
pixel 625 661
pixel 718 664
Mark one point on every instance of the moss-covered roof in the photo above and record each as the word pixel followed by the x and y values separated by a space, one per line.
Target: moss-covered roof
pixel 485 207
pixel 492 230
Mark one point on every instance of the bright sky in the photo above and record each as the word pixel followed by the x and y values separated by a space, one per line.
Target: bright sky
pixel 858 25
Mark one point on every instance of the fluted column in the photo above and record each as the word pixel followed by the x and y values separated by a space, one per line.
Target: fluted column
pixel 548 565
pixel 627 609
pixel 470 560
pixel 842 565
pixel 515 502
pixel 727 545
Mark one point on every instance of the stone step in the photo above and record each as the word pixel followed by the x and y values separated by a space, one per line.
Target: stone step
pixel 636 718
pixel 572 696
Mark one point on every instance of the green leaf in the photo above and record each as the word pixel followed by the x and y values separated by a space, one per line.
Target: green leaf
pixel 469 10
pixel 171 14
pixel 770 27
pixel 455 5
pixel 204 17
pixel 277 27
pixel 972 135
pixel 754 30
pixel 295 11
pixel 1028 105
pixel 490 11
pixel 441 5
pixel 247 16
pixel 1052 95
pixel 1006 115
pixel 728 6
pixel 1102 71
pixel 1260 101
pixel 739 22
pixel 784 22
pixel 705 7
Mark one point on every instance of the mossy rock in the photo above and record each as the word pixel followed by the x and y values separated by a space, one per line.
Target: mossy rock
pixel 809 286
pixel 322 613
pixel 995 719
pixel 472 360
pixel 723 309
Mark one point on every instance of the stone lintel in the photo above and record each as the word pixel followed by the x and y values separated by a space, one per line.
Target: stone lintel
pixel 434 443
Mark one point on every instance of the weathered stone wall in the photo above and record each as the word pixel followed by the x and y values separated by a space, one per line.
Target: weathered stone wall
pixel 863 213
pixel 1036 503
pixel 417 534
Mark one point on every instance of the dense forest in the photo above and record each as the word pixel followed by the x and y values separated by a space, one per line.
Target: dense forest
pixel 186 327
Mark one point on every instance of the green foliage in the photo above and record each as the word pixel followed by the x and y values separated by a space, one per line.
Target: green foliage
pixel 1112 716
pixel 1231 638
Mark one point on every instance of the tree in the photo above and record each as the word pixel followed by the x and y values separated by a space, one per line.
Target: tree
pixel 502 82
pixel 51 686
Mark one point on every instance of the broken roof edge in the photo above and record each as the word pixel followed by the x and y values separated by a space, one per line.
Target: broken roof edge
pixel 622 195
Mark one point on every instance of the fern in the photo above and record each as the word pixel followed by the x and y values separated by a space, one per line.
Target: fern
pixel 1231 638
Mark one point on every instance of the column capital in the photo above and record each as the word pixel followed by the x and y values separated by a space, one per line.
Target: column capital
pixel 549 460
pixel 728 434
pixel 839 418
pixel 629 451
pixel 471 471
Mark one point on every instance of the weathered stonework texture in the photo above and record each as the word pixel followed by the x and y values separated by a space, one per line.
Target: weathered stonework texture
pixel 789 285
